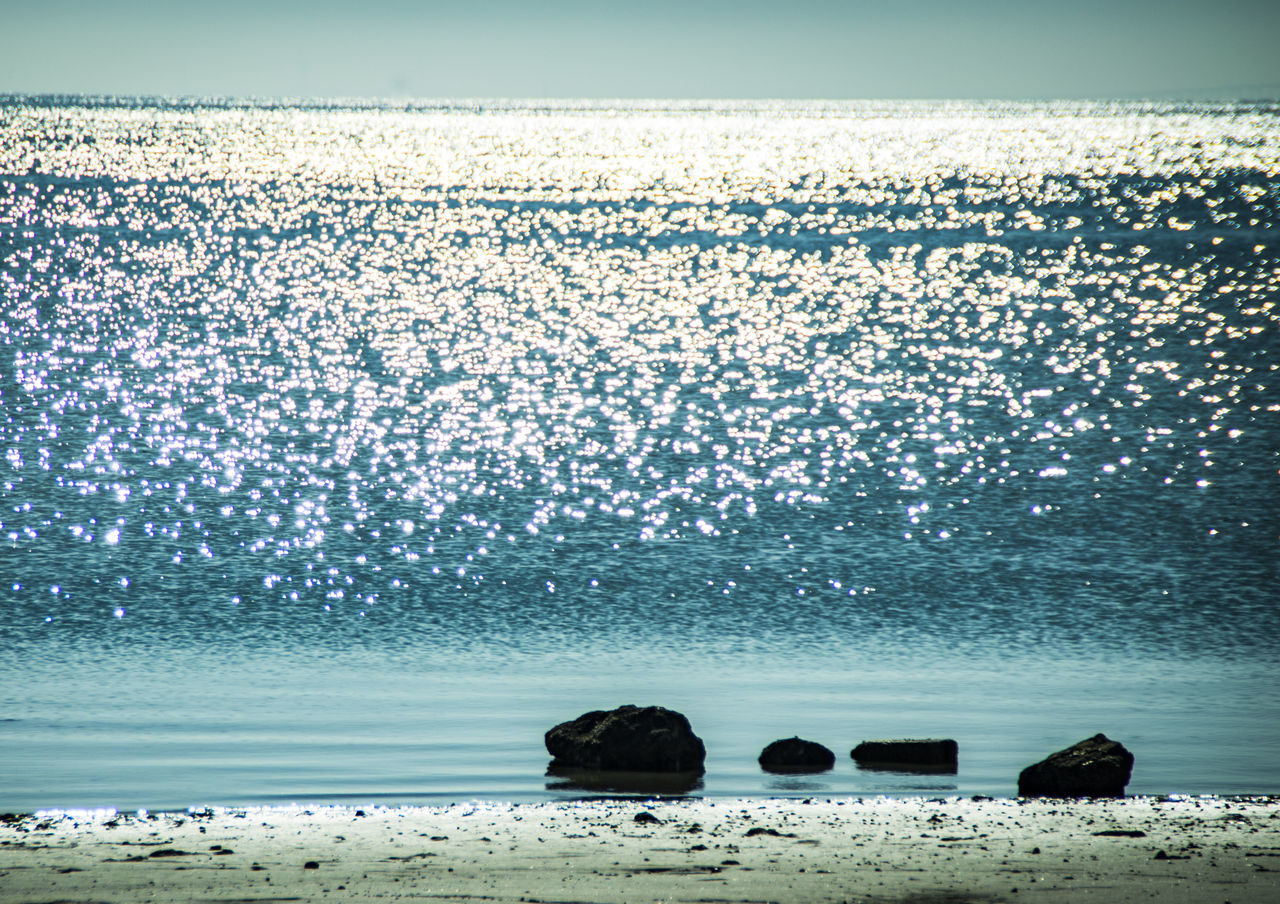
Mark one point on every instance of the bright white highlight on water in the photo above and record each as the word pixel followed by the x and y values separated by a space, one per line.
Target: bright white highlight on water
pixel 529 374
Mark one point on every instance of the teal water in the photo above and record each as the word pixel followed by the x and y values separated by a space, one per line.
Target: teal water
pixel 349 448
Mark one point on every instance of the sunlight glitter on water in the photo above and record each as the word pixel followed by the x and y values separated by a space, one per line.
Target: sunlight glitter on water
pixel 346 450
pixel 317 352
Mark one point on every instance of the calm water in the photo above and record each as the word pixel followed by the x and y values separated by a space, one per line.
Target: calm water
pixel 347 449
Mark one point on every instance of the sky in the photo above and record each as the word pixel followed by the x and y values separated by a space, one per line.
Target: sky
pixel 824 49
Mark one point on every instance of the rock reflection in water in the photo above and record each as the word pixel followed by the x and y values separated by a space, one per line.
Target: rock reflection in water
pixel 796 783
pixel 910 768
pixel 600 781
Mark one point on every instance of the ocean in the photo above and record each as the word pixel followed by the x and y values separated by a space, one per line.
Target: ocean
pixel 348 447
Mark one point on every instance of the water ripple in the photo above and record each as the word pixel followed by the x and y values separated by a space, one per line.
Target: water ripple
pixel 742 372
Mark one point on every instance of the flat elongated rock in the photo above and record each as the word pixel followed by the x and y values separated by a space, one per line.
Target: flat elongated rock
pixel 796 754
pixel 1096 767
pixel 629 738
pixel 922 752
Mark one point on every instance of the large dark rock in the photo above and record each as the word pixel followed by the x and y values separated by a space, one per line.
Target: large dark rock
pixel 1096 767
pixel 796 755
pixel 923 752
pixel 629 738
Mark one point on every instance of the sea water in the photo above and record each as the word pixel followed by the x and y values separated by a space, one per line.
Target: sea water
pixel 349 447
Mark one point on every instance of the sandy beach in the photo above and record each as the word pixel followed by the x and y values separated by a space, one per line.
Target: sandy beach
pixel 876 850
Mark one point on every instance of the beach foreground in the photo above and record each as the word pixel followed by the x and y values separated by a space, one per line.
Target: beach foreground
pixel 880 850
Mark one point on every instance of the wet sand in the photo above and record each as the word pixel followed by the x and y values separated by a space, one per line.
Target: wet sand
pixel 880 850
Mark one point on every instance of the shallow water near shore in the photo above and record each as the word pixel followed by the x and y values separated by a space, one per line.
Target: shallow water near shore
pixel 304 729
pixel 349 448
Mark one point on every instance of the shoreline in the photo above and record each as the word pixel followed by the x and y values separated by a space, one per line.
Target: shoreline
pixel 872 850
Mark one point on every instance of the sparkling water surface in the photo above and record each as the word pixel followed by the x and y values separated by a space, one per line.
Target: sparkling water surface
pixel 347 448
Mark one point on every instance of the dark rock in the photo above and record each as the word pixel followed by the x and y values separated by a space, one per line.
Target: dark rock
pixel 629 738
pixel 928 752
pixel 796 755
pixel 1096 767
pixel 311 864
pixel 760 830
pixel 647 818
